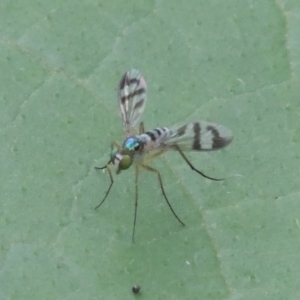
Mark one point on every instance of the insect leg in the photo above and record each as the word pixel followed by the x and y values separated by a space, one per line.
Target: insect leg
pixel 111 183
pixel 192 167
pixel 115 144
pixel 109 172
pixel 148 168
pixel 136 200
pixel 157 154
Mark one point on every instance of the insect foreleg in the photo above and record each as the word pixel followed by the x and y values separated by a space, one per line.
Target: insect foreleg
pixel 111 183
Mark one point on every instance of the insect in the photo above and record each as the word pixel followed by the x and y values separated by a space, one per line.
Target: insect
pixel 140 146
pixel 136 289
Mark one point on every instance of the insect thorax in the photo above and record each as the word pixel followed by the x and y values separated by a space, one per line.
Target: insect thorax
pixel 132 145
pixel 131 151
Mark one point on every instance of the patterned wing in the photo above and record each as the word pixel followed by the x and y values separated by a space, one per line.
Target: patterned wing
pixel 196 136
pixel 132 99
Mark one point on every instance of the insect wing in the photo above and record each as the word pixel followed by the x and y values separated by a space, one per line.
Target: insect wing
pixel 198 136
pixel 132 99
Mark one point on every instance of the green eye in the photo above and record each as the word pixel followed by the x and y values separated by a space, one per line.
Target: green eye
pixel 125 162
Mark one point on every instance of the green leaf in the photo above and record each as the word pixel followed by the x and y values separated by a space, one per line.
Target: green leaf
pixel 233 62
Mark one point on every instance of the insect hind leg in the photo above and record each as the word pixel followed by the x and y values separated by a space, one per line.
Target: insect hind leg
pixel 193 168
pixel 148 168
